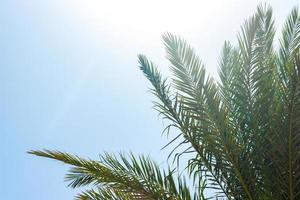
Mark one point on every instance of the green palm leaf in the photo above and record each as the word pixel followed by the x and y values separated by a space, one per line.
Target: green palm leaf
pixel 122 178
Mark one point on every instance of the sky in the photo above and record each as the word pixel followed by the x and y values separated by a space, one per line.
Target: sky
pixel 69 78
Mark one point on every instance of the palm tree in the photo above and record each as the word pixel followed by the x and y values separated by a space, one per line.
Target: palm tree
pixel 243 131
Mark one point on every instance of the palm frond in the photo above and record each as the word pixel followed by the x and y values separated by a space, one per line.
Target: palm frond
pixel 122 178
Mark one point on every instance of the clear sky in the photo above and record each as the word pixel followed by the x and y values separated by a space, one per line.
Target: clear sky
pixel 69 78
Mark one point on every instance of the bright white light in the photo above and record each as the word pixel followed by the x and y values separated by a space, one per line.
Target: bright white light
pixel 150 16
pixel 135 17
pixel 140 22
pixel 135 26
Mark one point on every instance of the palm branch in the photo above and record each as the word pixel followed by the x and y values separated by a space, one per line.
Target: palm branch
pixel 122 178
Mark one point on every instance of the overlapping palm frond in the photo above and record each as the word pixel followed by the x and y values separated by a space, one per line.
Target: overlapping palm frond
pixel 236 127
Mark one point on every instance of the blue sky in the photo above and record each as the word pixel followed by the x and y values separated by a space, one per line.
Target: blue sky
pixel 69 78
